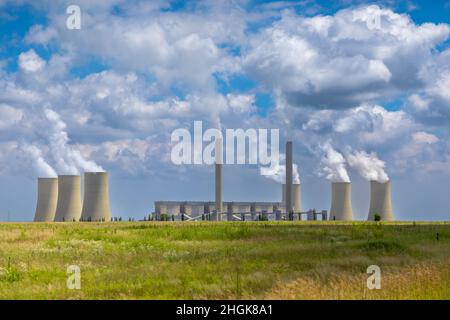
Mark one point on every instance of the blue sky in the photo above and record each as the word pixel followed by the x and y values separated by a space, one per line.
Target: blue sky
pixel 115 90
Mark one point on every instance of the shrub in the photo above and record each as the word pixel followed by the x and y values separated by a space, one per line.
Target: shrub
pixel 377 217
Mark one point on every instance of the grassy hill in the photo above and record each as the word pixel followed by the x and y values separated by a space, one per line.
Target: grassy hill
pixel 205 260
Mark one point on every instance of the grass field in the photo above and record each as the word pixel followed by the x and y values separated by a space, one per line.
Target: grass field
pixel 243 260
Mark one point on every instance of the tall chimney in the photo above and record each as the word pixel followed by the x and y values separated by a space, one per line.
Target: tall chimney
pixel 380 201
pixel 289 170
pixel 218 179
pixel 96 197
pixel 47 198
pixel 341 201
pixel 296 196
pixel 69 198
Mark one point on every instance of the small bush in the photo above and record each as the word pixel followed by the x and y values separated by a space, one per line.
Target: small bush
pixel 377 217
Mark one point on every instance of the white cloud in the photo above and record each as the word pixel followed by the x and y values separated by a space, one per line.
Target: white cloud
pixel 30 62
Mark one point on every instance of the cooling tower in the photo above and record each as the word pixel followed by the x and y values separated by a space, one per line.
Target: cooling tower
pixel 341 201
pixel 96 197
pixel 47 198
pixel 296 197
pixel 380 201
pixel 69 198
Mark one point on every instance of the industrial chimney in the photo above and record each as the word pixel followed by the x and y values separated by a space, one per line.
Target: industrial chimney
pixel 218 179
pixel 341 201
pixel 96 197
pixel 47 197
pixel 380 201
pixel 289 170
pixel 296 197
pixel 69 198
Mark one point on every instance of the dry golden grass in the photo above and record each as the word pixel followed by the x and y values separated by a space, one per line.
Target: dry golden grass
pixel 203 260
pixel 423 281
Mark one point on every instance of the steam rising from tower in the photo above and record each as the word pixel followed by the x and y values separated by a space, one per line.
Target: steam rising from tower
pixel 333 164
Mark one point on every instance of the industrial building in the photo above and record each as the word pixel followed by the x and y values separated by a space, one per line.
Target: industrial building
pixel 341 201
pixel 59 199
pixel 243 210
pixel 47 199
pixel 69 198
pixel 380 201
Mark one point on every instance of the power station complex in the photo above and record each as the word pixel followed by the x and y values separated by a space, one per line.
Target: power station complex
pixel 59 199
pixel 289 207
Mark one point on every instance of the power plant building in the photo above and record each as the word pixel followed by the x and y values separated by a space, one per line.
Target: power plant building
pixel 47 199
pixel 341 201
pixel 69 198
pixel 380 201
pixel 96 197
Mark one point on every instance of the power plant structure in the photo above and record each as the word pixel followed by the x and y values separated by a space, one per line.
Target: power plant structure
pixel 47 199
pixel 218 208
pixel 69 198
pixel 296 197
pixel 341 201
pixel 380 201
pixel 289 172
pixel 96 197
pixel 59 199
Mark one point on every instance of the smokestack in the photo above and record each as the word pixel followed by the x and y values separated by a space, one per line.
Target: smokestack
pixel 289 169
pixel 96 197
pixel 341 202
pixel 380 201
pixel 69 198
pixel 46 199
pixel 296 197
pixel 218 180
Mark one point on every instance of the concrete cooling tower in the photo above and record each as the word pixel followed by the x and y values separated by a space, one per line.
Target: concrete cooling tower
pixel 296 196
pixel 341 201
pixel 96 197
pixel 69 198
pixel 47 198
pixel 380 201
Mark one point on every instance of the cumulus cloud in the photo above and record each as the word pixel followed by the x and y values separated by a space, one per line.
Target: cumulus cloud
pixel 341 61
pixel 31 62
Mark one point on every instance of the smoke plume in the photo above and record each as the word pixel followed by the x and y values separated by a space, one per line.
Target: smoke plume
pixel 67 160
pixel 33 158
pixel 333 164
pixel 278 172
pixel 368 165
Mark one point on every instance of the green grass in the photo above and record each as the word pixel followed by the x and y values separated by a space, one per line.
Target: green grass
pixel 205 260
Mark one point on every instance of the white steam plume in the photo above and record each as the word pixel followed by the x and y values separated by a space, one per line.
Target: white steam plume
pixel 333 164
pixel 278 172
pixel 34 159
pixel 67 160
pixel 368 165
